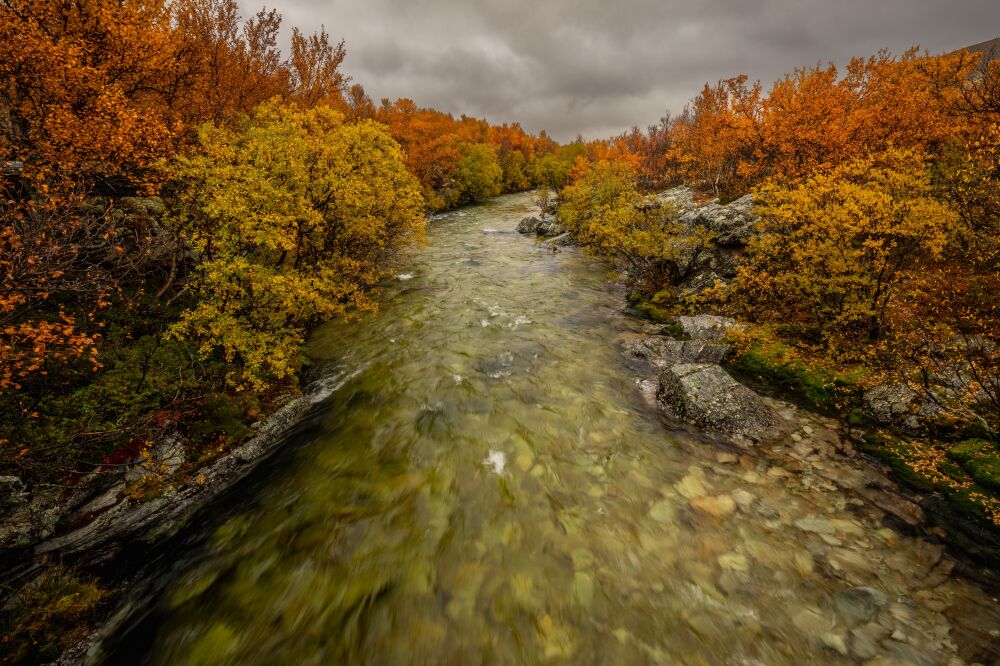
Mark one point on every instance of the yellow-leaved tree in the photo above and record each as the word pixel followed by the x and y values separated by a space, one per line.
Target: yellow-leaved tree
pixel 835 247
pixel 605 211
pixel 294 217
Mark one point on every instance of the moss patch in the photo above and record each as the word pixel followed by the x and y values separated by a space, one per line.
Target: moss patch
pixel 777 364
pixel 979 459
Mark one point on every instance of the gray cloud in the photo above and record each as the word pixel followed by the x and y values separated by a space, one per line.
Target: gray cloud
pixel 598 67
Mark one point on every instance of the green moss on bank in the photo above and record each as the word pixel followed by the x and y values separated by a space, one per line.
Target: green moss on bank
pixel 777 365
pixel 965 474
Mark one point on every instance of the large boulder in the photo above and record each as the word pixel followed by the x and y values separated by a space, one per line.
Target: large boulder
pixel 707 327
pixel 900 406
pixel 545 226
pixel 731 224
pixel 549 227
pixel 662 352
pixel 704 395
pixel 528 225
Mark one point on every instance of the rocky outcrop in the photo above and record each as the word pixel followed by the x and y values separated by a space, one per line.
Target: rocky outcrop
pixel 704 395
pixel 707 327
pixel 710 239
pixel 731 224
pixel 545 226
pixel 92 528
pixel 663 352
pixel 899 405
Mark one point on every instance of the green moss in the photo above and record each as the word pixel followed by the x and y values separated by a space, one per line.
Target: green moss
pixel 969 449
pixel 899 456
pixel 773 364
pixel 654 312
pixel 979 459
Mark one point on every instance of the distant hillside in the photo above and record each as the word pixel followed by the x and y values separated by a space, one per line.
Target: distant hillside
pixel 991 48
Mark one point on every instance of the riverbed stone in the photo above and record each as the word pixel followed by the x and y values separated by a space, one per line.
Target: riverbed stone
pixel 693 484
pixel 717 506
pixel 834 642
pixel 859 605
pixel 706 396
pixel 662 511
pixel 743 499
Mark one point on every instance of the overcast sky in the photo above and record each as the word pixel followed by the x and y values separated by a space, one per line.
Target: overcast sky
pixel 598 67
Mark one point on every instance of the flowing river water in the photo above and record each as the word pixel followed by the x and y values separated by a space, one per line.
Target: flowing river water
pixel 489 485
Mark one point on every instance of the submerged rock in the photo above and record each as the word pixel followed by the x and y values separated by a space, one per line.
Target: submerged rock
pixel 706 396
pixel 562 240
pixel 859 604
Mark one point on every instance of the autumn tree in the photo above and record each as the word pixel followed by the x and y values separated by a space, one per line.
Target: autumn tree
pixel 714 147
pixel 294 217
pixel 835 248
pixel 230 65
pixel 607 214
pixel 315 68
pixel 478 175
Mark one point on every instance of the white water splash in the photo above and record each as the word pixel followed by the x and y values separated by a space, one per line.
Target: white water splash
pixel 497 460
pixel 457 378
pixel 405 276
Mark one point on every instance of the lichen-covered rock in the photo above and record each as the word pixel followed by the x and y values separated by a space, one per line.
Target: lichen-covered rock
pixel 681 199
pixel 731 224
pixel 528 225
pixel 549 227
pixel 706 396
pixel 899 405
pixel 707 327
pixel 151 206
pixel 11 492
pixel 663 352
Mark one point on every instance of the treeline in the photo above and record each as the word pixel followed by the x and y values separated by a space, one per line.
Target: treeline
pixel 878 189
pixel 181 202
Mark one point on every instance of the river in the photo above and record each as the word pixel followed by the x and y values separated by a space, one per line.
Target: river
pixel 488 485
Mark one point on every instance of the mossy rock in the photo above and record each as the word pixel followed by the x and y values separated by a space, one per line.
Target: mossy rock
pixel 654 312
pixel 979 458
pixel 896 454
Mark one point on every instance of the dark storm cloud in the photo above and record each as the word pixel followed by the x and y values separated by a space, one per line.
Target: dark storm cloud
pixel 599 67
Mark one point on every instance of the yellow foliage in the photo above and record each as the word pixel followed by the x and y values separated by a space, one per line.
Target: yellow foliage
pixel 295 217
pixel 608 215
pixel 834 248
